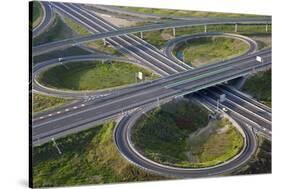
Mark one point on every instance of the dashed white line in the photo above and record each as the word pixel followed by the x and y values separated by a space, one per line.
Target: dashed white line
pixel 58 112
pixel 75 107
pixel 66 109
pixel 50 115
pixel 82 105
pixel 41 117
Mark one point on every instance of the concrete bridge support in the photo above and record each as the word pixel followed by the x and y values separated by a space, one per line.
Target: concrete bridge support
pixel 174 32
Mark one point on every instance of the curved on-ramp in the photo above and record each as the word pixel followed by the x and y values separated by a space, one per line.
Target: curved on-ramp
pixel 46 20
pixel 122 138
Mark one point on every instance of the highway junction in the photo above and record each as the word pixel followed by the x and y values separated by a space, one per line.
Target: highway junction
pixel 126 104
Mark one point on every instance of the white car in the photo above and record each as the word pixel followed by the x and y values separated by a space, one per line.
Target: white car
pixel 60 59
pixel 224 109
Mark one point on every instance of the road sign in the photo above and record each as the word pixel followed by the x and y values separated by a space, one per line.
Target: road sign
pixel 222 98
pixel 259 59
pixel 140 75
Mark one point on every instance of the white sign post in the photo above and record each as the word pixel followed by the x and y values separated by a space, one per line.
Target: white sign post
pixel 259 59
pixel 222 98
pixel 140 75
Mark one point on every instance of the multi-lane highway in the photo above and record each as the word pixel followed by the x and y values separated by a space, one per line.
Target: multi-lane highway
pixel 178 79
pixel 255 114
pixel 47 126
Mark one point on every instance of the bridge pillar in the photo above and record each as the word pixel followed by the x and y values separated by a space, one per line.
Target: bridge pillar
pixel 104 42
pixel 174 32
pixel 141 34
pixel 205 28
pixel 236 27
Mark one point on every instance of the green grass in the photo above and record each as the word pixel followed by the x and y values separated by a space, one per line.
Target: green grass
pixel 42 102
pixel 157 38
pixel 89 157
pixel 220 147
pixel 185 13
pixel 164 136
pixel 92 75
pixel 81 30
pixel 37 14
pixel 57 31
pixel 200 51
pixel 78 28
pixel 259 86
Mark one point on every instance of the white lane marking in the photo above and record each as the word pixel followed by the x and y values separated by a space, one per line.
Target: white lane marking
pixel 41 117
pixel 66 109
pixel 58 112
pixel 50 115
pixel 75 107
pixel 82 105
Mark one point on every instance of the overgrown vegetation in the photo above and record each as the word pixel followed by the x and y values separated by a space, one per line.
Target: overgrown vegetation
pixel 200 51
pixel 88 157
pixel 57 31
pixel 42 102
pixel 185 13
pixel 78 28
pixel 259 86
pixel 178 134
pixel 37 13
pixel 261 162
pixel 92 75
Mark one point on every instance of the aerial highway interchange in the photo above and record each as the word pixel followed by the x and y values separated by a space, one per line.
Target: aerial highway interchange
pixel 127 103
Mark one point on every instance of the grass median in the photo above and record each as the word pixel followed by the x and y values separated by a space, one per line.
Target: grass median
pixel 179 134
pixel 88 157
pixel 92 75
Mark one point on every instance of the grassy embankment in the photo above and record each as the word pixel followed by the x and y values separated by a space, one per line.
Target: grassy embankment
pixel 261 162
pixel 259 86
pixel 37 14
pixel 57 31
pixel 177 135
pixel 185 13
pixel 93 75
pixel 97 45
pixel 159 37
pixel 42 102
pixel 89 157
pixel 206 50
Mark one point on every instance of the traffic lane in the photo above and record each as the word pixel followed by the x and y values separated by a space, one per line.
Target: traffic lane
pixel 244 104
pixel 121 136
pixel 243 96
pixel 96 112
pixel 231 106
pixel 192 84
